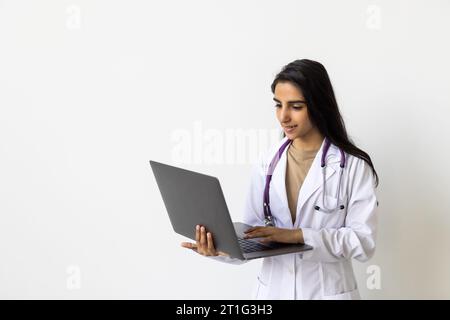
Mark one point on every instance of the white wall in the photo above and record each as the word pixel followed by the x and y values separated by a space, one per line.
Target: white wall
pixel 91 90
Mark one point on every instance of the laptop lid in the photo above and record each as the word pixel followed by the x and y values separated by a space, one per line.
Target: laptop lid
pixel 193 198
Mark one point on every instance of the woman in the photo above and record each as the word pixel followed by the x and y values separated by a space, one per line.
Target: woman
pixel 312 201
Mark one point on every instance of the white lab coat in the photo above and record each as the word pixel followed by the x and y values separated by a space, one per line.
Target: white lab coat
pixel 326 271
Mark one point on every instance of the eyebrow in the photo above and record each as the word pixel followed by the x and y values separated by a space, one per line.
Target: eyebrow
pixel 292 101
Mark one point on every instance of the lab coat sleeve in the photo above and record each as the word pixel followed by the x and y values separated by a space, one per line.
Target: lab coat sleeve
pixel 253 209
pixel 356 239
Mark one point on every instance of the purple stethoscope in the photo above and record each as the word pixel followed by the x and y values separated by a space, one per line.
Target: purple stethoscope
pixel 268 218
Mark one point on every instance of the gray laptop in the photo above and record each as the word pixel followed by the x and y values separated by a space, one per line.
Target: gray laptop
pixel 193 198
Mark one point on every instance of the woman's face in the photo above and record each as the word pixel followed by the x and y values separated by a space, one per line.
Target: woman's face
pixel 292 111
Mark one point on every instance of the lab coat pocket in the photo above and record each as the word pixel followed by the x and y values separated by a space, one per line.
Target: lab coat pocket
pixel 328 213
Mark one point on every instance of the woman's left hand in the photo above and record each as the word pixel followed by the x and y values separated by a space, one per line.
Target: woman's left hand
pixel 275 234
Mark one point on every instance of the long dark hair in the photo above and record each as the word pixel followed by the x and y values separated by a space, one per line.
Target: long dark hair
pixel 312 79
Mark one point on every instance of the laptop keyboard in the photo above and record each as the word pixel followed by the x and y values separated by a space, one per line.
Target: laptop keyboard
pixel 252 246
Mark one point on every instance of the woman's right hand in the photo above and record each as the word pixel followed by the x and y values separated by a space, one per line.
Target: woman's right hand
pixel 204 243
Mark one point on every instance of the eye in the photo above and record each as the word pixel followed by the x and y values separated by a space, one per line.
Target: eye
pixel 277 105
pixel 297 107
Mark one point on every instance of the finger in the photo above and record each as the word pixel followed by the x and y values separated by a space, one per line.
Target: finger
pixel 188 245
pixel 266 239
pixel 197 234
pixel 210 242
pixel 258 233
pixel 252 229
pixel 221 253
pixel 203 237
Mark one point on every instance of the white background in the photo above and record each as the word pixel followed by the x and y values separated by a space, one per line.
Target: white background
pixel 92 90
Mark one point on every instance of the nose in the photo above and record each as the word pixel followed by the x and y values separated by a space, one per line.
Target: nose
pixel 284 115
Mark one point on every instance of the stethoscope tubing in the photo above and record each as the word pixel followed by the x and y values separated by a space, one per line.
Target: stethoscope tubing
pixel 268 218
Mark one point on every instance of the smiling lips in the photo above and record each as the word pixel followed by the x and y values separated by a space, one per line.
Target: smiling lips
pixel 289 129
